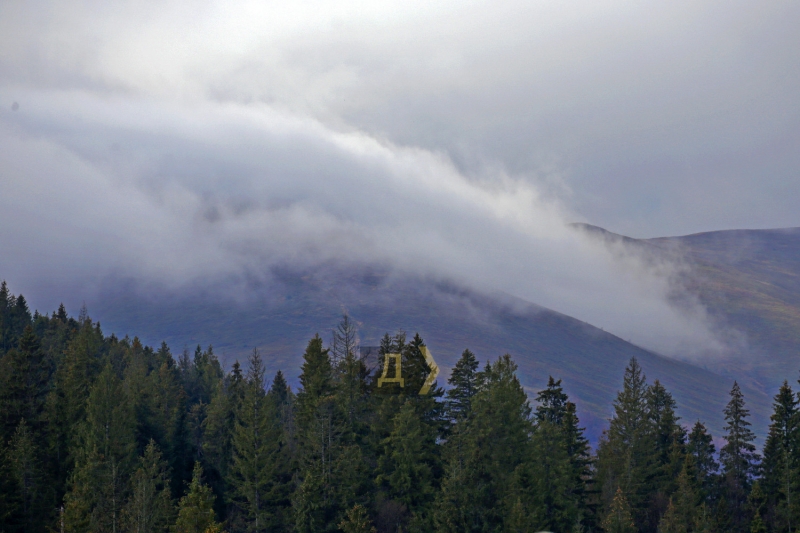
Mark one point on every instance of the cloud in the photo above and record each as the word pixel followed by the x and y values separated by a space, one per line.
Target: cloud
pixel 177 141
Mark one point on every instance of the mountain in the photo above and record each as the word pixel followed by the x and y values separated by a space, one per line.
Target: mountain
pixel 280 318
pixel 749 282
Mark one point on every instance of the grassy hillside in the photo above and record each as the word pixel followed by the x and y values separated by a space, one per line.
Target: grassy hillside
pixel 750 280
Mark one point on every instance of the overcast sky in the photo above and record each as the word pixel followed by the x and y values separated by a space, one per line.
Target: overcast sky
pixel 180 141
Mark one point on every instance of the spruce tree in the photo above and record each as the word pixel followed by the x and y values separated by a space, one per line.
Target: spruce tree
pixel 104 458
pixel 780 465
pixel 484 452
pixel 409 461
pixel 150 508
pixel 256 452
pixel 700 446
pixel 319 428
pixel 625 453
pixel 24 383
pixel 26 471
pixel 619 519
pixel 548 490
pixel 196 509
pixel 220 421
pixel 463 386
pixel 738 458
pixel 357 521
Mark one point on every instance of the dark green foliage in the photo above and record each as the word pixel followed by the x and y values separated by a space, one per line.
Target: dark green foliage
pixel 258 476
pixel 150 507
pixel 484 453
pixel 196 509
pixel 625 454
pixel 463 386
pixel 738 458
pixel 779 468
pixel 619 519
pixel 107 434
pixel 105 458
pixel 701 447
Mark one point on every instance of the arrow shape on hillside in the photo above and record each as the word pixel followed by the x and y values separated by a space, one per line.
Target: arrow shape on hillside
pixel 426 387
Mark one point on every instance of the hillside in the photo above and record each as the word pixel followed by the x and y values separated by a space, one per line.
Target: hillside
pixel 749 281
pixel 280 319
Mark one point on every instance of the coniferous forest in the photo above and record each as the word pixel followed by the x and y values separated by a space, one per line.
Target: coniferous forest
pixel 104 434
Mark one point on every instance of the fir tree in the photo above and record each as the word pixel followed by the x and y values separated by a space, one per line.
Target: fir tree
pixel 104 459
pixel 257 458
pixel 25 374
pixel 150 508
pixel 408 464
pixel 196 509
pixel 618 519
pixel 463 386
pixel 738 457
pixel 625 453
pixel 357 521
pixel 318 429
pixel 27 473
pixel 700 446
pixel 755 502
pixel 484 452
pixel 220 421
pixel 779 468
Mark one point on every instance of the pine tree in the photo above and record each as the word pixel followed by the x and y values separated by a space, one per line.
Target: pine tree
pixel 625 453
pixel 463 386
pixel 257 453
pixel 407 466
pixel 318 430
pixel 700 446
pixel 484 452
pixel 196 509
pixel 779 468
pixel 27 473
pixel 738 457
pixel 105 458
pixel 150 508
pixel 25 374
pixel 619 519
pixel 357 521
pixel 548 489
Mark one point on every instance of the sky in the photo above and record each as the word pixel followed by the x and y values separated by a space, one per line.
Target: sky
pixel 178 142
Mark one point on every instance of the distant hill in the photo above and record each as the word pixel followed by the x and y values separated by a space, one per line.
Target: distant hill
pixel 749 281
pixel 281 318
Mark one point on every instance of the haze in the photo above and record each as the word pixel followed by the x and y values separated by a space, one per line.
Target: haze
pixel 194 142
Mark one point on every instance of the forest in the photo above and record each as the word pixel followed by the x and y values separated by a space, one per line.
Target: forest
pixel 105 434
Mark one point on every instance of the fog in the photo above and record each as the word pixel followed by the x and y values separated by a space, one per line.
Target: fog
pixel 178 143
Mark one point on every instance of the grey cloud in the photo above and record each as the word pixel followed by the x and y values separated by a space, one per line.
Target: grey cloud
pixel 177 193
pixel 175 141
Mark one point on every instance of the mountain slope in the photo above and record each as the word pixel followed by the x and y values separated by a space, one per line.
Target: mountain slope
pixel 749 282
pixel 280 319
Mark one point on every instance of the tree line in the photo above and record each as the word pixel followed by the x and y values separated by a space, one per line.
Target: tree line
pixel 105 434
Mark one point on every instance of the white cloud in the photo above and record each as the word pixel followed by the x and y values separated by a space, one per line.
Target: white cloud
pixel 175 141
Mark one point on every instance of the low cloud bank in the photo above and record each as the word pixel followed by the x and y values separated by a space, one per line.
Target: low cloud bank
pixel 178 143
pixel 223 193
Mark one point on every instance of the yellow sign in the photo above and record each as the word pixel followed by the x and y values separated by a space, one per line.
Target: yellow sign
pixel 398 371
pixel 434 370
